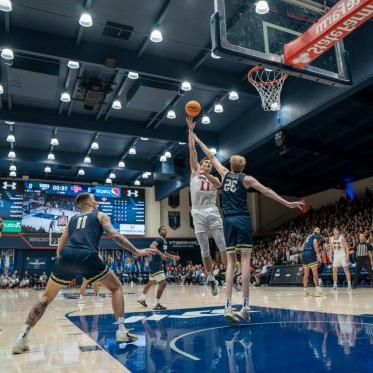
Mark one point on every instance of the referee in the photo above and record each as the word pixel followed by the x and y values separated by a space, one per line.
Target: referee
pixel 363 258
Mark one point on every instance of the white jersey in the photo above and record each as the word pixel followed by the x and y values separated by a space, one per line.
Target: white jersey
pixel 203 193
pixel 337 245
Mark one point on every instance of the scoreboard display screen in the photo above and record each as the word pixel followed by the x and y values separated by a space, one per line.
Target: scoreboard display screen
pixel 11 200
pixel 48 206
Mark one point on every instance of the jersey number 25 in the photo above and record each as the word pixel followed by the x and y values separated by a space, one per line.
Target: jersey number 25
pixel 230 186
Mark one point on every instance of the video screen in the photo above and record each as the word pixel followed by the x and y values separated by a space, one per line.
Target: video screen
pixel 11 200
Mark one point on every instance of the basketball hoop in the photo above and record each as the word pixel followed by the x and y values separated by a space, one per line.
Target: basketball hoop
pixel 269 84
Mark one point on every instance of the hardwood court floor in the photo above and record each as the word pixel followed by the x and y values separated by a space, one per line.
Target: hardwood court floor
pixel 55 342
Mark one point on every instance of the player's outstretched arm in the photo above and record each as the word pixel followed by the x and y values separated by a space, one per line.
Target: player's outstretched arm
pixel 215 162
pixel 251 182
pixel 213 180
pixel 193 157
pixel 120 239
pixel 63 239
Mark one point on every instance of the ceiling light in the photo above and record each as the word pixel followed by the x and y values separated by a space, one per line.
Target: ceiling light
pixel 13 167
pixel 145 175
pixel 213 151
pixel 73 64
pixel 132 150
pixel 7 54
pixel 144 138
pixel 87 159
pixel 81 172
pixel 54 141
pixel 206 119
pixel 108 181
pixel 1 89
pixel 215 56
pixel 11 138
pixel 171 114
pixel 137 182
pixel 233 96
pixel 186 86
pixel 218 108
pixel 9 122
pixel 168 154
pixel 51 157
pixel 5 5
pixel 12 154
pixel 262 7
pixel 133 75
pixel 95 145
pixel 163 158
pixel 156 36
pixel 112 175
pixel 275 106
pixel 121 164
pixel 12 174
pixel 65 97
pixel 47 170
pixel 85 20
pixel 117 105
pixel 182 143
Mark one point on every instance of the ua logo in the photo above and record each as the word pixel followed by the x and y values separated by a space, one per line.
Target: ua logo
pixel 132 193
pixel 7 185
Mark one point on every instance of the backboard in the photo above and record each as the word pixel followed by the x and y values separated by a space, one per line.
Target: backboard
pixel 240 33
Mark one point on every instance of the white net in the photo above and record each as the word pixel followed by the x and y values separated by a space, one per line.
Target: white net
pixel 269 84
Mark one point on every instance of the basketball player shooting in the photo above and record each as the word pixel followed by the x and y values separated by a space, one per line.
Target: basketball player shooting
pixel 237 224
pixel 206 216
pixel 77 252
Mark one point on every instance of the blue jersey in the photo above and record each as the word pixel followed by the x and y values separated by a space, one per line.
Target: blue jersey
pixel 85 231
pixel 308 246
pixel 234 195
pixel 155 263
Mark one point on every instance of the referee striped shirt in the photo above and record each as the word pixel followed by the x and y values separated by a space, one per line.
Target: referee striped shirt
pixel 362 249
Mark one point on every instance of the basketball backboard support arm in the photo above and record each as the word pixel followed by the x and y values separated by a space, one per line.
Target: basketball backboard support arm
pixel 224 45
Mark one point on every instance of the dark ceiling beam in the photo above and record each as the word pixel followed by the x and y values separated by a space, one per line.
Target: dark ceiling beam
pixel 61 47
pixel 157 21
pixel 7 22
pixel 202 57
pixel 70 159
pixel 75 89
pixel 46 117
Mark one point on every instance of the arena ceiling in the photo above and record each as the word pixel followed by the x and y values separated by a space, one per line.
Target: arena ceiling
pixel 328 130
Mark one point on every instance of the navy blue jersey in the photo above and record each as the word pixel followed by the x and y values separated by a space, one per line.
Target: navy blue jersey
pixel 308 246
pixel 234 195
pixel 85 231
pixel 155 263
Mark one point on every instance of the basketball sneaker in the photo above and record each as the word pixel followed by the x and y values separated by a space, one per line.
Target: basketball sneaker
pixel 20 346
pixel 230 315
pixel 335 287
pixel 243 315
pixel 349 288
pixel 124 336
pixel 319 292
pixel 159 307
pixel 214 285
pixel 81 300
pixel 142 302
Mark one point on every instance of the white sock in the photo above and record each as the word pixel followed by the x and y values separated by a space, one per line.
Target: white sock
pixel 210 277
pixel 157 302
pixel 349 284
pixel 142 297
pixel 335 284
pixel 81 296
pixel 245 303
pixel 121 326
pixel 24 331
pixel 228 303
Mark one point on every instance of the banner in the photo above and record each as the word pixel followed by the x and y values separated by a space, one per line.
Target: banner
pixel 174 200
pixel 287 275
pixel 174 219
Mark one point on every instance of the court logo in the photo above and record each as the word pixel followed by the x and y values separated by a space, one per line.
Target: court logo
pixel 132 193
pixel 7 185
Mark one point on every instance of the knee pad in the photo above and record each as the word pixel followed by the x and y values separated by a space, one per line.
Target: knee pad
pixel 203 241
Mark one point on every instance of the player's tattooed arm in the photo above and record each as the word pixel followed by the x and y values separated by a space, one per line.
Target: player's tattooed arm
pixel 62 241
pixel 37 312
pixel 215 162
pixel 193 158
pixel 250 182
pixel 120 239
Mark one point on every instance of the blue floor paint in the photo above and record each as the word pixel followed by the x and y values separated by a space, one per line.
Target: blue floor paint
pixel 199 340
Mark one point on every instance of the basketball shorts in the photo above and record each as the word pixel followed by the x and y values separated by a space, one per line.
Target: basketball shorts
pixel 309 259
pixel 237 231
pixel 157 276
pixel 339 259
pixel 75 261
pixel 206 219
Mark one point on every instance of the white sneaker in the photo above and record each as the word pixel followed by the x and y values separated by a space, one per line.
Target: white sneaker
pixel 349 288
pixel 124 336
pixel 214 285
pixel 20 346
pixel 230 315
pixel 243 315
pixel 335 287
pixel 81 300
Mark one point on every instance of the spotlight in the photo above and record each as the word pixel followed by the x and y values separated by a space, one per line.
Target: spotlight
pixel 163 158
pixel 13 167
pixel 132 150
pixel 1 89
pixel 81 172
pixel 51 157
pixel 117 105
pixel 65 97
pixel 233 96
pixel 12 174
pixel 95 145
pixel 112 175
pixel 218 108
pixel 186 86
pixel 168 154
pixel 73 65
pixel 108 181
pixel 156 36
pixel 12 154
pixel 54 141
pixel 171 114
pixel 47 170
pixel 121 164
pixel 144 138
pixel 262 7
pixel 7 54
pixel 137 182
pixel 5 5
pixel 87 159
pixel 206 119
pixel 133 75
pixel 85 20
pixel 11 138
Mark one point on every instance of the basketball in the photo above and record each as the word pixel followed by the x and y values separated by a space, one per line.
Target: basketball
pixel 193 108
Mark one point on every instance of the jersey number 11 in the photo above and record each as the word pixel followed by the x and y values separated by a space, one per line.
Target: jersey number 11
pixel 81 222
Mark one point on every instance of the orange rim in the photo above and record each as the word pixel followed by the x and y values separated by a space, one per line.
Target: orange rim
pixel 272 82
